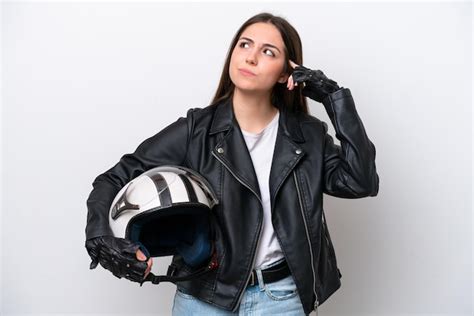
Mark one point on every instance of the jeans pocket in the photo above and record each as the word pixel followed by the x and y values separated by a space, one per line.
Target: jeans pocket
pixel 184 295
pixel 281 290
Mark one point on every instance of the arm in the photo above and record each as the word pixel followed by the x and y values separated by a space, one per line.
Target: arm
pixel 349 169
pixel 169 146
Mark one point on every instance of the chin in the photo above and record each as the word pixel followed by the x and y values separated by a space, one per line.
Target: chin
pixel 246 85
pixel 248 89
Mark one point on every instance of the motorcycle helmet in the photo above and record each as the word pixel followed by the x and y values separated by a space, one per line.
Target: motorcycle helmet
pixel 167 210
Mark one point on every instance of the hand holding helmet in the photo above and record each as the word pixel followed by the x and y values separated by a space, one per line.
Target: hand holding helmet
pixel 166 210
pixel 120 256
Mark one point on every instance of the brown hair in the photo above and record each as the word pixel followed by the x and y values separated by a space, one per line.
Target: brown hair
pixel 280 96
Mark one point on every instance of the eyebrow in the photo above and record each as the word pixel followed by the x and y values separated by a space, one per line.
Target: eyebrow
pixel 265 44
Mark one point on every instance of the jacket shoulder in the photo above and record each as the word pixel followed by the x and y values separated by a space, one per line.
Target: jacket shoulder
pixel 202 111
pixel 202 114
pixel 307 118
pixel 200 118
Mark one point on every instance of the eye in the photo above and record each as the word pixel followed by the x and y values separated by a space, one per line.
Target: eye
pixel 240 45
pixel 272 54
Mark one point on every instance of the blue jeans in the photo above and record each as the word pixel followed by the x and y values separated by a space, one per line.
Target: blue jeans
pixel 276 298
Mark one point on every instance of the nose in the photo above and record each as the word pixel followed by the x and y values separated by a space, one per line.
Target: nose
pixel 251 57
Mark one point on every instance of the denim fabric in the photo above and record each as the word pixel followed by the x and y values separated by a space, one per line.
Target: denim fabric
pixel 276 298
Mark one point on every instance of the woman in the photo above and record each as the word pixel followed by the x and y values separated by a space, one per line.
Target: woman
pixel 269 161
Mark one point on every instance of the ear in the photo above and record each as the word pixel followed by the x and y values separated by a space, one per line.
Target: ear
pixel 283 78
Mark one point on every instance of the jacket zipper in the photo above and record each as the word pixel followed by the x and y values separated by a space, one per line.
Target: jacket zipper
pixel 316 303
pixel 329 244
pixel 259 229
pixel 325 235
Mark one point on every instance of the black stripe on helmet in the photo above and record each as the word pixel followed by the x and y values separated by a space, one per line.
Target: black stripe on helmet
pixel 163 189
pixel 189 188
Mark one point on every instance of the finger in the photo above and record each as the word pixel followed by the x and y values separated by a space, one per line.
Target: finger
pixel 138 267
pixel 147 270
pixel 293 64
pixel 128 247
pixel 149 264
pixel 140 255
pixel 137 274
pixel 94 264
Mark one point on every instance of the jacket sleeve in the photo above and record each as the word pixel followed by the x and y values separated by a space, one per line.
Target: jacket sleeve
pixel 349 169
pixel 169 146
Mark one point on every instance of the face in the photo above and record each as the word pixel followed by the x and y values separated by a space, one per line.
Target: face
pixel 260 50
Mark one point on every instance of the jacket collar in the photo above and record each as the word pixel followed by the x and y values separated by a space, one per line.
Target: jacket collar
pixel 224 119
pixel 231 150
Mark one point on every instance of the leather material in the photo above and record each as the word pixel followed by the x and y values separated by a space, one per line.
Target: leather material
pixel 316 85
pixel 306 164
pixel 118 255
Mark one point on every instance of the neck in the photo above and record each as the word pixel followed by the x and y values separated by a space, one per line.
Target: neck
pixel 252 111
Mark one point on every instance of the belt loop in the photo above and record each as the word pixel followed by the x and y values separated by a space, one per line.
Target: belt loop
pixel 260 280
pixel 252 282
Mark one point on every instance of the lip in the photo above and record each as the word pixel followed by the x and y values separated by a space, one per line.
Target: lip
pixel 246 72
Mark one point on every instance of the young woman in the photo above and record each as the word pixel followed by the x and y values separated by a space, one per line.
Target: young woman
pixel 269 161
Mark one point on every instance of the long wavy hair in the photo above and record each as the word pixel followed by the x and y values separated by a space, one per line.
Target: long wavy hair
pixel 280 96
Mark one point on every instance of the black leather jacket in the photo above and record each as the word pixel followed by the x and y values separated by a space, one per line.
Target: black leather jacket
pixel 306 164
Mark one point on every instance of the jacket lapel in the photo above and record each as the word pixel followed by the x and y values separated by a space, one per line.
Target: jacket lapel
pixel 232 150
pixel 287 152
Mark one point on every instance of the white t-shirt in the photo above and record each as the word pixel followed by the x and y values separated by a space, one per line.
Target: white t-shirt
pixel 261 146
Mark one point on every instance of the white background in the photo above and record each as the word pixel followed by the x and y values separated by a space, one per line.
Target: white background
pixel 85 83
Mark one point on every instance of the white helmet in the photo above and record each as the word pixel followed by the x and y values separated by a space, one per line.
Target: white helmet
pixel 168 210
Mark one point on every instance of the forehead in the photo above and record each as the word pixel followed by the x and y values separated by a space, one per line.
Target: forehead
pixel 264 33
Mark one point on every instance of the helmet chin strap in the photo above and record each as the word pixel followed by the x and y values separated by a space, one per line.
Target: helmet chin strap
pixel 156 279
